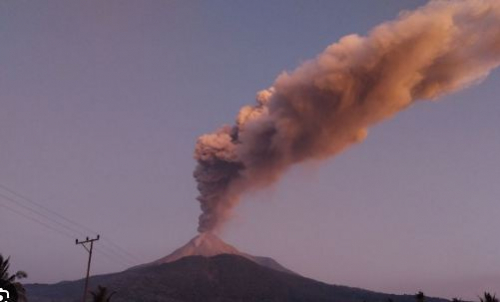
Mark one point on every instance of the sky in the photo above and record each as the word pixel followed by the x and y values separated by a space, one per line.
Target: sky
pixel 101 105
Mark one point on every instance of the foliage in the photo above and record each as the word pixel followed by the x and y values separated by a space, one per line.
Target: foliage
pixel 420 297
pixel 6 277
pixel 101 294
pixel 487 297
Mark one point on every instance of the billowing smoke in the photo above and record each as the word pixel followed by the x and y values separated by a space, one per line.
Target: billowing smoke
pixel 327 104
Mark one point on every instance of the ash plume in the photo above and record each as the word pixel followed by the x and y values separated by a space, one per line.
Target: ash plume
pixel 327 103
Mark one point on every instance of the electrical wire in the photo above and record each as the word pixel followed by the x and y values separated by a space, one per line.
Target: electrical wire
pixel 109 246
pixel 63 233
pixel 36 220
pixel 23 197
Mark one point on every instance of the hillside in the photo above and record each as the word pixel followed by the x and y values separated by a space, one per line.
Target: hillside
pixel 221 278
pixel 208 245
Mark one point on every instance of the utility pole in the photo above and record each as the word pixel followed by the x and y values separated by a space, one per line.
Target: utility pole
pixel 89 250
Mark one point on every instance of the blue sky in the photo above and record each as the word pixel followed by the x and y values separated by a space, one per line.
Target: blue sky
pixel 102 102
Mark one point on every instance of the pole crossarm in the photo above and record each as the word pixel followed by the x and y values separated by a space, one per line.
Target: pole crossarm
pixel 89 251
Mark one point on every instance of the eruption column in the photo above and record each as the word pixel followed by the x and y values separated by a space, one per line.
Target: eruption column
pixel 327 104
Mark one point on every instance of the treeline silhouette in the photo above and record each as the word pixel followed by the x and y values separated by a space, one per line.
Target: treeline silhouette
pixel 420 297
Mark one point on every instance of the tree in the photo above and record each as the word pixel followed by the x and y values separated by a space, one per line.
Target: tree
pixel 6 277
pixel 488 298
pixel 101 294
pixel 420 297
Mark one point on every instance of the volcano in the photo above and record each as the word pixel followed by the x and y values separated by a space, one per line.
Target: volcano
pixel 208 245
pixel 207 269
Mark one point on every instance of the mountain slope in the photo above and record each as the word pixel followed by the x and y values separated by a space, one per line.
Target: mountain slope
pixel 208 245
pixel 205 244
pixel 222 278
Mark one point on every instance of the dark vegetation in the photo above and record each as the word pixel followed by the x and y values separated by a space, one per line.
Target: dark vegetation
pixel 101 294
pixel 11 282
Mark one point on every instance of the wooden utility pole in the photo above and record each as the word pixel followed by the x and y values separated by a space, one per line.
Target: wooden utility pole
pixel 89 250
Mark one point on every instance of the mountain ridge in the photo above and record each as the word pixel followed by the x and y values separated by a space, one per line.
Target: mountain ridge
pixel 206 269
pixel 220 278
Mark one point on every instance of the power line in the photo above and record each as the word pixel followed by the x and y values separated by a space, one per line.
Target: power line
pixel 63 233
pixel 19 195
pixel 110 246
pixel 123 251
pixel 73 222
pixel 38 213
pixel 36 220
pixel 112 258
